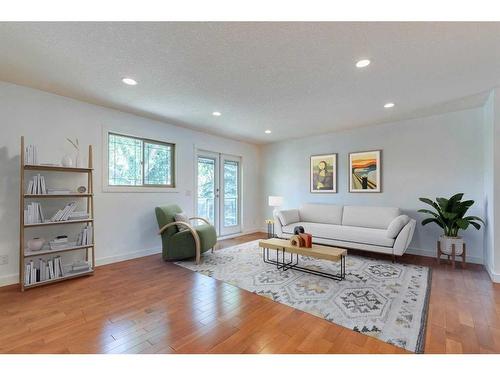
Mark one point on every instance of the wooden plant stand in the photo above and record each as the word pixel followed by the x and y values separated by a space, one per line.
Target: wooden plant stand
pixel 453 252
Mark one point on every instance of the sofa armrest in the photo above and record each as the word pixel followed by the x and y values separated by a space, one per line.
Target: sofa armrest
pixel 404 238
pixel 278 227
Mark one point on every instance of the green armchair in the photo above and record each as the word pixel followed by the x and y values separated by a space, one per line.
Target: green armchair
pixel 177 245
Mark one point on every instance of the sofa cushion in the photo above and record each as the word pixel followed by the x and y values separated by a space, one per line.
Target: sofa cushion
pixel 396 225
pixel 288 216
pixel 357 235
pixel 321 213
pixel 369 217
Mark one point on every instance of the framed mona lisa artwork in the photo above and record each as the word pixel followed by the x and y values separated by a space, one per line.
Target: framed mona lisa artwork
pixel 323 173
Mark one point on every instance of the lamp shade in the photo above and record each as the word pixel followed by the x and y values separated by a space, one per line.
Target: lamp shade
pixel 275 201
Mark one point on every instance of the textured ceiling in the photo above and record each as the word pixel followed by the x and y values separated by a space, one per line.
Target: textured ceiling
pixel 292 78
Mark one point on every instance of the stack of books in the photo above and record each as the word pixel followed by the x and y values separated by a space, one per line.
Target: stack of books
pixel 65 213
pixel 30 155
pixel 86 236
pixel 80 266
pixel 33 213
pixel 61 243
pixel 79 215
pixel 58 191
pixel 45 270
pixel 36 185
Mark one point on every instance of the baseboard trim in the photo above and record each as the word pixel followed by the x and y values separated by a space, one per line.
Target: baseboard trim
pixel 9 279
pixel 248 231
pixel 432 254
pixel 495 277
pixel 126 256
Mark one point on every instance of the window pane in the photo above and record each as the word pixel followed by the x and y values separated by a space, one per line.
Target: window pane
pixel 230 193
pixel 158 164
pixel 206 188
pixel 125 160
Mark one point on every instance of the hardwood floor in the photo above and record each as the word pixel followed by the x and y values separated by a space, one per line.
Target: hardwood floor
pixel 146 305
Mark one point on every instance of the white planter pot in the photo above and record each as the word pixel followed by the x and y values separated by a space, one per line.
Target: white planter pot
pixel 447 242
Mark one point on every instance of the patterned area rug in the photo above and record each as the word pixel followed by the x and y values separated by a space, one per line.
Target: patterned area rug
pixel 388 301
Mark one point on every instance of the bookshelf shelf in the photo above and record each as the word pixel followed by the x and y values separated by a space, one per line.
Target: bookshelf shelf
pixel 69 275
pixel 28 253
pixel 72 195
pixel 54 168
pixel 58 223
pixel 24 228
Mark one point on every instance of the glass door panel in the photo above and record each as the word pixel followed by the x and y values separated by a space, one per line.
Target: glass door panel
pixel 208 189
pixel 231 195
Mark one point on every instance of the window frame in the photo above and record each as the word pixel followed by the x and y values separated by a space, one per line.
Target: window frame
pixel 144 187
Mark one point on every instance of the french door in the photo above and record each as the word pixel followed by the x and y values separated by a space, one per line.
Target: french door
pixel 218 196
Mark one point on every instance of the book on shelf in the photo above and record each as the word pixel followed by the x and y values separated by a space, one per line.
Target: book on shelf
pixel 36 185
pixel 79 215
pixel 64 214
pixel 80 266
pixel 86 236
pixel 30 155
pixel 33 214
pixel 58 191
pixel 61 246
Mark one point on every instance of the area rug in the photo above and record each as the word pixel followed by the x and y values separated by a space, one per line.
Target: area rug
pixel 388 301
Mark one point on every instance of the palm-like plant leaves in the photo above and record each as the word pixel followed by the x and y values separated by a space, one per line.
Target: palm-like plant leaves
pixel 450 213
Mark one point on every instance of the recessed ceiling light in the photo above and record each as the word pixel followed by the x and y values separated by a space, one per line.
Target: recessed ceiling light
pixel 388 105
pixel 129 81
pixel 268 131
pixel 217 114
pixel 362 63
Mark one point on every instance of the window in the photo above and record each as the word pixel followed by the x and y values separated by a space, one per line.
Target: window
pixel 139 162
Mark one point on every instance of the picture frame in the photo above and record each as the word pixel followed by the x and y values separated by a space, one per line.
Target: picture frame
pixel 323 173
pixel 365 171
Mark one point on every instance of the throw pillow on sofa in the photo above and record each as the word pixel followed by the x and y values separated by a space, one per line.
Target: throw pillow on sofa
pixel 396 225
pixel 289 216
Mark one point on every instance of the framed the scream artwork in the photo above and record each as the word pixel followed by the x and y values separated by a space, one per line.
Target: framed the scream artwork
pixel 365 172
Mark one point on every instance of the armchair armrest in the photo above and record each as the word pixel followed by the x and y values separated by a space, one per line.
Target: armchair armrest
pixel 200 218
pixel 193 232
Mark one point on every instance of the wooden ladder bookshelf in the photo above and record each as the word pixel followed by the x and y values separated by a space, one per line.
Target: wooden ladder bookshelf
pixel 24 253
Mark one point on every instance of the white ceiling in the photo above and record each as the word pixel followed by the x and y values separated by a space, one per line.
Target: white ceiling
pixel 292 78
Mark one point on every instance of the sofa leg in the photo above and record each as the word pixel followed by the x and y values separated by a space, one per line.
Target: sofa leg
pixel 212 250
pixel 393 258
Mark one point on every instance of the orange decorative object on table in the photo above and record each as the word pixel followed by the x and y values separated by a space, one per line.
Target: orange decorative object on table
pixel 307 237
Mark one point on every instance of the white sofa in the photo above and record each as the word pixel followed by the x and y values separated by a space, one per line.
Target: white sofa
pixel 377 229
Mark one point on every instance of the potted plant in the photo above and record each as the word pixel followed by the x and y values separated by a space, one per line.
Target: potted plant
pixel 449 214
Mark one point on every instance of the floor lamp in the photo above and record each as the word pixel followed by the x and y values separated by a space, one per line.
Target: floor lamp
pixel 275 202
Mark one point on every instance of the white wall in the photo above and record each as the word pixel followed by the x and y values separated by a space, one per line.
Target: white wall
pixel 492 183
pixel 489 188
pixel 125 222
pixel 426 157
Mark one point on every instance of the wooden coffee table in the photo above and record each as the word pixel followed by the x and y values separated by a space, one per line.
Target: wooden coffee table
pixel 282 247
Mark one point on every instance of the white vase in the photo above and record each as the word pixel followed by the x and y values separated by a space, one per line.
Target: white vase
pixel 67 161
pixel 78 160
pixel 447 242
pixel 35 244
